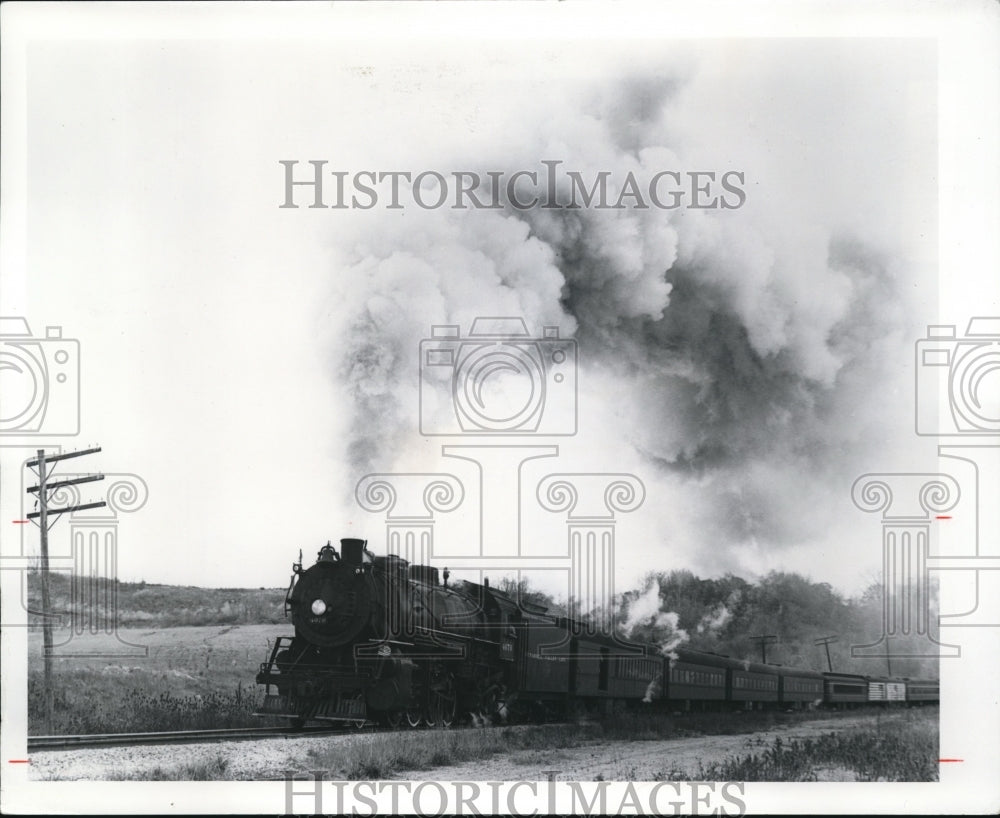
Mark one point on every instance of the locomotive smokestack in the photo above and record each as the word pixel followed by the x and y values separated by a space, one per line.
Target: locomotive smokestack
pixel 352 550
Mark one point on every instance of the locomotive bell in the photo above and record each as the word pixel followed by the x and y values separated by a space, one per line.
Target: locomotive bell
pixel 352 550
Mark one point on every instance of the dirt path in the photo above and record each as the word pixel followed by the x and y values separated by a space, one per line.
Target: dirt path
pixel 672 759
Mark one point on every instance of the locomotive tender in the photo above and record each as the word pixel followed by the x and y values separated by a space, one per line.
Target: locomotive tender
pixel 378 639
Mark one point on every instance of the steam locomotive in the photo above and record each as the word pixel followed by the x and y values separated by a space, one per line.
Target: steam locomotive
pixel 378 639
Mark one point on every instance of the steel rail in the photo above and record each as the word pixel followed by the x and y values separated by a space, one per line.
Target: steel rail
pixel 36 743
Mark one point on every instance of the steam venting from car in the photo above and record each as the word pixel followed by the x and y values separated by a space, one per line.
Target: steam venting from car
pixel 645 621
pixel 741 347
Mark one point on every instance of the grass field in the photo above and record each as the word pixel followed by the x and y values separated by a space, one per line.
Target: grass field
pixel 151 679
pixel 183 657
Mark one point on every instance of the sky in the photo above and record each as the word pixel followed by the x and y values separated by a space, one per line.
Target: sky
pixel 736 370
pixel 252 363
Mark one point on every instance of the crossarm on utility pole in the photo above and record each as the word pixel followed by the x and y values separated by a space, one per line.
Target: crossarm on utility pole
pixel 74 481
pixel 42 459
pixel 81 507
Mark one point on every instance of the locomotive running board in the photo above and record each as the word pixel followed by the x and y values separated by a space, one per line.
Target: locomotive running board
pixel 276 705
pixel 285 706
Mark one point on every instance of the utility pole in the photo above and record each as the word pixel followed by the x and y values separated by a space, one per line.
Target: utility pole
pixel 764 640
pixel 42 489
pixel 825 642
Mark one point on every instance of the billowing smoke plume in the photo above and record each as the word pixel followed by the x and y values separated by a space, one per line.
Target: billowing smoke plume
pixel 739 348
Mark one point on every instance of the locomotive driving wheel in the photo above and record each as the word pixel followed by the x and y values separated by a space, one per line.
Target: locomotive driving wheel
pixel 392 718
pixel 414 717
pixel 488 704
pixel 442 700
pixel 414 713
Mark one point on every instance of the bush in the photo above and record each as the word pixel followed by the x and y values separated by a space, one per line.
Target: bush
pixel 904 749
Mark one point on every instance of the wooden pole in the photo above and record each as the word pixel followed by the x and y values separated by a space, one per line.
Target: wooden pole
pixel 43 524
pixel 825 642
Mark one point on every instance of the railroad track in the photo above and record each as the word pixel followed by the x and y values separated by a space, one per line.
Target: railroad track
pixel 173 737
pixel 36 743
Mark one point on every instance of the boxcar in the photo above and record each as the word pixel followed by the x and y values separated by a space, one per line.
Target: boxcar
pixel 753 683
pixel 895 691
pixel 694 676
pixel 844 688
pixel 884 691
pixel 876 690
pixel 799 688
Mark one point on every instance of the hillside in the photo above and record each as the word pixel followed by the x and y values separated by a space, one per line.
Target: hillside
pixel 143 604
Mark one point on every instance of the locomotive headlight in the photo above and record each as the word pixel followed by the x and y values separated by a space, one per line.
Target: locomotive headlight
pixel 319 607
